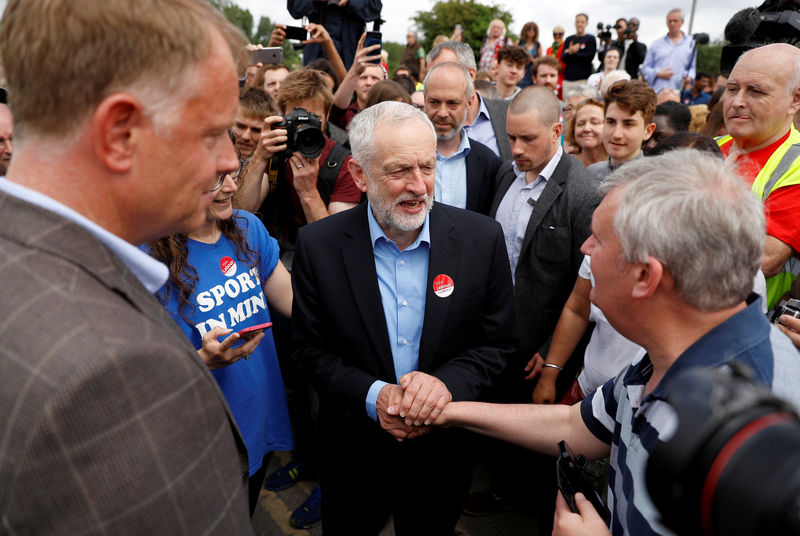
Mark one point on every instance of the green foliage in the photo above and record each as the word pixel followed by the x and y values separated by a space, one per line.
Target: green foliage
pixel 241 18
pixel 708 57
pixel 395 50
pixel 263 31
pixel 473 16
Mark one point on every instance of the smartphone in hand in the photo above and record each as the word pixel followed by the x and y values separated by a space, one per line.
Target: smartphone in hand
pixel 252 329
pixel 373 38
pixel 297 33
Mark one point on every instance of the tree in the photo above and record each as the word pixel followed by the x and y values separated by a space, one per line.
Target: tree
pixel 263 31
pixel 474 18
pixel 708 57
pixel 395 51
pixel 241 18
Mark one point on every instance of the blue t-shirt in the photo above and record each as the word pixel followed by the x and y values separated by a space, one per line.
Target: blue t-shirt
pixel 229 294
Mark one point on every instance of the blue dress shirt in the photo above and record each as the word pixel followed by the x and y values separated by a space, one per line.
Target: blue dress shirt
pixel 481 129
pixel 402 276
pixel 516 207
pixel 450 185
pixel 150 272
pixel 664 53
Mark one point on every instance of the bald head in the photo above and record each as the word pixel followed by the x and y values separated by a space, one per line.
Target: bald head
pixel 762 95
pixel 451 75
pixel 782 59
pixel 537 98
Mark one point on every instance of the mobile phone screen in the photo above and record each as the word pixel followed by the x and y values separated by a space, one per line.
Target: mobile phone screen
pixel 373 38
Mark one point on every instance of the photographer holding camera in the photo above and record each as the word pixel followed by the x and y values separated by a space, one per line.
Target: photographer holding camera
pixel 290 188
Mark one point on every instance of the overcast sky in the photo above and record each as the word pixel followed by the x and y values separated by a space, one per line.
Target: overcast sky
pixel 710 15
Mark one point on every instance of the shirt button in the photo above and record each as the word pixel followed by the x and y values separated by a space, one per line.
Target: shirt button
pixel 405 303
pixel 402 263
pixel 405 341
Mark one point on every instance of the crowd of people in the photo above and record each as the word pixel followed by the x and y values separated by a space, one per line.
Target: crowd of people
pixel 372 270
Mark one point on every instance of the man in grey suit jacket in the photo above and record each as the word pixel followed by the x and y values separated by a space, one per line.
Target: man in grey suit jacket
pixel 544 203
pixel 109 421
pixel 544 236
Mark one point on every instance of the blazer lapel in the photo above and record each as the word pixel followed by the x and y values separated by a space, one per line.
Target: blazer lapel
pixel 444 255
pixel 359 264
pixel 45 230
pixel 549 195
pixel 474 164
pixel 505 182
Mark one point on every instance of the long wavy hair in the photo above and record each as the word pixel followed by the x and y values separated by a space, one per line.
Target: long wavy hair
pixel 173 251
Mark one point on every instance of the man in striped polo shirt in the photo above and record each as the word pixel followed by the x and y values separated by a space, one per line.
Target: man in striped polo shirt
pixel 674 246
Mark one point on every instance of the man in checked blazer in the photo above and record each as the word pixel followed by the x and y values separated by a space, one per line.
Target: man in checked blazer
pixel 109 421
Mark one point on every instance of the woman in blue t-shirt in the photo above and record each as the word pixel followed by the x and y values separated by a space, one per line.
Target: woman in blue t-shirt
pixel 222 276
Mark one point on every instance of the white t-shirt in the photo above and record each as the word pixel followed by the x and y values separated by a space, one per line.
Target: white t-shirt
pixel 608 352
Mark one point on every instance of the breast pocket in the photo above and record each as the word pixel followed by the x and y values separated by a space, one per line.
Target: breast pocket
pixel 552 244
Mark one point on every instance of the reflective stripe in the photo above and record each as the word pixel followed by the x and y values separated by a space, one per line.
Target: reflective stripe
pixel 792 153
pixel 782 169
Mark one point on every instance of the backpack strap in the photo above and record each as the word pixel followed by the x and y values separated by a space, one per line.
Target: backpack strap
pixel 329 170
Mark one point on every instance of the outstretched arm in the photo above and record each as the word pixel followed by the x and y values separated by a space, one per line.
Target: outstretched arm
pixel 535 427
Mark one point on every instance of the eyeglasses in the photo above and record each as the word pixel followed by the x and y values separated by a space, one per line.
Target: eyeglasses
pixel 558 34
pixel 234 176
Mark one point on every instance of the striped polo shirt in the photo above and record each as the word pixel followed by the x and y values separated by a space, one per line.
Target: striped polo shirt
pixel 619 412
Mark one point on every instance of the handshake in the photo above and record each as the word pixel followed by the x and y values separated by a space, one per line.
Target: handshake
pixel 408 410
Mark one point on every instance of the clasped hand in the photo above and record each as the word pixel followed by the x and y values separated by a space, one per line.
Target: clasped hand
pixel 407 410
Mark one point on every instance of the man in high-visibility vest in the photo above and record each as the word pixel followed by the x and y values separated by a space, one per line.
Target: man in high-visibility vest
pixel 760 100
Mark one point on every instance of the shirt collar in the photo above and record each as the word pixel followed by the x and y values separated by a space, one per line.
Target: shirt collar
pixel 482 109
pixel 376 233
pixel 463 147
pixel 150 272
pixel 742 330
pixel 547 171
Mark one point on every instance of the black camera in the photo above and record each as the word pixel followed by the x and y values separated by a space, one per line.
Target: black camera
pixel 571 480
pixel 789 307
pixel 304 130
pixel 733 465
pixel 603 35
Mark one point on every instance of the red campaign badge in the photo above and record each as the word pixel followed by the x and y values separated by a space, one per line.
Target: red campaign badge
pixel 443 285
pixel 228 266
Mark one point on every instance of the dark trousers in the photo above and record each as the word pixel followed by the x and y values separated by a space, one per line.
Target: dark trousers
pixel 256 482
pixel 367 475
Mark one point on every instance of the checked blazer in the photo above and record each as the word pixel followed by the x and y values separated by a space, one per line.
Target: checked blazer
pixel 109 421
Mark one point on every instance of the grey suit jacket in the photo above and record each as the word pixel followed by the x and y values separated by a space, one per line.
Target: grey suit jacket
pixel 550 257
pixel 497 115
pixel 109 421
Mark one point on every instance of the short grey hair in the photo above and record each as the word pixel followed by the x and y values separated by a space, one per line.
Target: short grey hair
pixel 582 90
pixel 463 52
pixel 612 78
pixel 692 213
pixel 470 87
pixel 677 10
pixel 389 113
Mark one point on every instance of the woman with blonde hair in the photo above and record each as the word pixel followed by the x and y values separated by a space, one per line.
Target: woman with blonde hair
pixel 585 131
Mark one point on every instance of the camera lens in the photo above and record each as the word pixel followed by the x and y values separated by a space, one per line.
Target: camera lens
pixel 309 141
